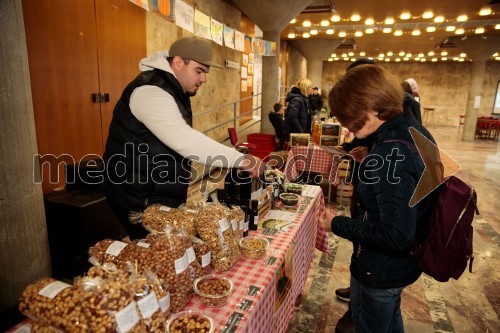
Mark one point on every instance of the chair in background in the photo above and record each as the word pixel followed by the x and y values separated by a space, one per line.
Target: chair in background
pixel 486 128
pixel 244 147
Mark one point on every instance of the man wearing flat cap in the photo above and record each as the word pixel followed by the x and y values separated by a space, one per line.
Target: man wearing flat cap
pixel 151 140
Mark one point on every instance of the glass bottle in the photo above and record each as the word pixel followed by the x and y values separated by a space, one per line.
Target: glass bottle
pixel 316 130
pixel 254 215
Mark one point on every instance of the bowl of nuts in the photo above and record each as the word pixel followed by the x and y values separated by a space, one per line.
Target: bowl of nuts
pixel 213 290
pixel 190 322
pixel 253 247
pixel 289 199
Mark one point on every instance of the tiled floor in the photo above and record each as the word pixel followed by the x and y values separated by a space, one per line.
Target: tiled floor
pixel 471 304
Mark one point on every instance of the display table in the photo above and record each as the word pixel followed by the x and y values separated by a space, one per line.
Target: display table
pixel 253 306
pixel 311 158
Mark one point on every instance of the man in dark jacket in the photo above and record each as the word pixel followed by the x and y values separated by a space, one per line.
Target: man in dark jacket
pixel 315 101
pixel 280 128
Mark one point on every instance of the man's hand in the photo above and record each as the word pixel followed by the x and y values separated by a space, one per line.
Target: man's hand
pixel 325 220
pixel 253 165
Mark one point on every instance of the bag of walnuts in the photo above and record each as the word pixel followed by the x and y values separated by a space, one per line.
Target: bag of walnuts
pixel 214 229
pixel 54 304
pixel 156 217
pixel 237 219
pixel 172 266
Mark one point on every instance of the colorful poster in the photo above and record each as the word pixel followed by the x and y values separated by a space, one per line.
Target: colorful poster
pixel 248 44
pixel 284 279
pixel 250 69
pixel 165 8
pixel 239 41
pixel 184 15
pixel 229 37
pixel 202 25
pixel 255 46
pixel 249 80
pixel 244 85
pixel 244 72
pixel 244 59
pixel 216 31
pixel 267 47
pixel 141 3
pixel 262 47
pixel 250 58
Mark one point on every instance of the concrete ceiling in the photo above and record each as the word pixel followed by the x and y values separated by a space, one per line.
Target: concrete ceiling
pixel 379 42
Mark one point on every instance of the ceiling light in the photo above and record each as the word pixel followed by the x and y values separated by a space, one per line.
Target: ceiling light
pixel 409 55
pixel 459 31
pixel 405 16
pixel 402 53
pixel 434 59
pixel 461 60
pixel 421 55
pixel 369 21
pixel 389 54
pixel 355 17
pixel 428 14
pixel 423 60
pixel 371 58
pixel 430 53
pixel 306 23
pixel 342 34
pixel 291 35
pixel 353 59
pixel 439 19
pixel 455 58
pixel 463 55
pixel 430 29
pixel 450 28
pixel 497 58
pixel 380 58
pixel 314 32
pixel 462 18
pixel 358 33
pixel 306 35
pixel 406 58
pixel 350 54
pixel 333 55
pixel 387 30
pixel 369 30
pixel 335 18
pixel 497 26
pixel 330 59
pixel 495 54
pixel 444 53
pixel 381 55
pixel 329 31
pixel 398 33
pixel 293 21
pixel 336 58
pixel 444 58
pixel 324 23
pixel 417 58
pixel 387 59
pixel 344 55
pixel 362 54
pixel 415 32
pixel 389 20
pixel 479 30
pixel 346 58
pixel 398 59
pixel 485 11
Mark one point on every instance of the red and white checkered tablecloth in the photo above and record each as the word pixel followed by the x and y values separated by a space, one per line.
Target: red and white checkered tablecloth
pixel 310 158
pixel 255 274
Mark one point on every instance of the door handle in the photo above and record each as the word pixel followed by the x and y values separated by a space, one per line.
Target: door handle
pixel 100 98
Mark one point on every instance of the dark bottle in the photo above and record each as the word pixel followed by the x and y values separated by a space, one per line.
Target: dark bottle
pixel 254 215
pixel 246 221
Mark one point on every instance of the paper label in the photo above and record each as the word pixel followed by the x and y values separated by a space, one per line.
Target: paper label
pixel 165 208
pixel 234 224
pixel 477 102
pixel 53 289
pixel 181 264
pixel 165 303
pixel 224 225
pixel 144 245
pixel 242 225
pixel 190 254
pixel 148 305
pixel 115 248
pixel 206 259
pixel 245 228
pixel 127 318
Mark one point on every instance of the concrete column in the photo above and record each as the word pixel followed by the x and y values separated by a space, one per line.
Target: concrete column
pixel 24 250
pixel 270 82
pixel 315 72
pixel 475 91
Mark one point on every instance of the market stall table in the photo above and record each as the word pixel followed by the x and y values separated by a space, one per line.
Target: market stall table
pixel 265 289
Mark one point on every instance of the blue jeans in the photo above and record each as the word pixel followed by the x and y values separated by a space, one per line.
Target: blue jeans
pixel 376 310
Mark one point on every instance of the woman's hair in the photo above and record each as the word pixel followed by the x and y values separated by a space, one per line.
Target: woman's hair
pixel 406 87
pixel 303 84
pixel 364 88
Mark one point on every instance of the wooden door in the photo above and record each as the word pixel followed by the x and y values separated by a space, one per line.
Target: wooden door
pixel 62 55
pixel 121 35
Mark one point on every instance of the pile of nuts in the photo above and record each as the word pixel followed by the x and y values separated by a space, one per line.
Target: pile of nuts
pixel 152 316
pixel 253 247
pixel 213 290
pixel 203 255
pixel 157 217
pixel 189 322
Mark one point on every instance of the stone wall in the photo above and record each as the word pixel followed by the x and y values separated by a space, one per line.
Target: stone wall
pixel 441 85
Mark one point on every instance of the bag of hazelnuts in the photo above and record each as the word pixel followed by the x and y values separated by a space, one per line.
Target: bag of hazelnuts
pixel 214 228
pixel 156 217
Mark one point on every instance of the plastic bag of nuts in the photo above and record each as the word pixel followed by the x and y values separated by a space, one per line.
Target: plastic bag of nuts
pixel 203 255
pixel 147 303
pixel 109 306
pixel 162 292
pixel 111 251
pixel 54 303
pixel 237 219
pixel 105 271
pixel 157 217
pixel 169 253
pixel 213 228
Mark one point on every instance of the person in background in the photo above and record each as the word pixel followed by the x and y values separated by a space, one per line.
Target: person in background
pixel 409 101
pixel 414 88
pixel 298 112
pixel 367 100
pixel 315 101
pixel 151 140
pixel 280 128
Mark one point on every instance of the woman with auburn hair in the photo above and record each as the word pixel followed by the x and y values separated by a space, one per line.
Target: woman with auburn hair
pixel 298 113
pixel 367 100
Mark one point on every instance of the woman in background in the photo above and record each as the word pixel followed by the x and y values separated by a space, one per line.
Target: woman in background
pixel 298 113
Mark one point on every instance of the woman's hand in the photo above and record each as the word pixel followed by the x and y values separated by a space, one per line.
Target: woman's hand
pixel 359 153
pixel 325 220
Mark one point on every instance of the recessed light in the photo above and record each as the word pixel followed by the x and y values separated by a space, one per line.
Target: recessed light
pixel 324 23
pixel 430 53
pixel 444 58
pixel 353 59
pixel 380 58
pixel 306 23
pixel 333 55
pixel 362 54
pixel 358 33
pixel 389 20
pixel 342 34
pixel 415 32
pixel 330 59
pixel 462 55
pixel 444 53
pixel 369 21
pixel 387 30
pixel 293 21
pixel 389 53
pixel 369 30
pixel 355 17
pixel 381 55
pixel 344 55
pixel 462 18
pixel 485 11
pixel 402 53
pixel 329 31
pixel 336 58
pixel 428 14
pixel 398 59
pixel 423 60
pixel 314 32
pixel 461 60
pixel 450 28
pixel 398 32
pixel 350 54
pixel 335 18
pixel 406 58
pixel 430 29
pixel 434 59
pixel 479 30
pixel 405 15
pixel 291 35
pixel 306 35
pixel 346 58
pixel 421 55
pixel 439 19
pixel 409 55
pixel 387 59
pixel 459 31
pixel 497 26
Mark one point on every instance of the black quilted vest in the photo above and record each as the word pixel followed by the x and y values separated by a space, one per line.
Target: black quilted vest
pixel 140 169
